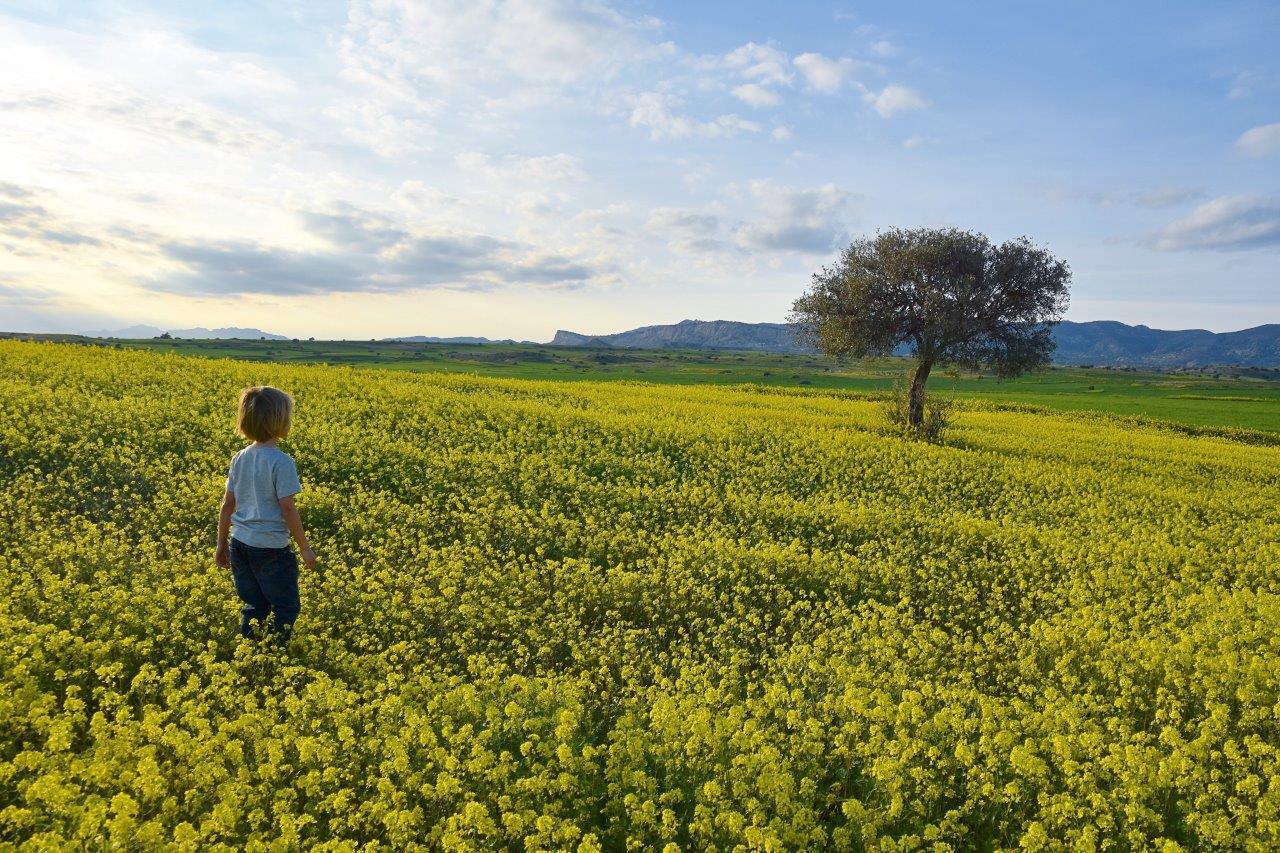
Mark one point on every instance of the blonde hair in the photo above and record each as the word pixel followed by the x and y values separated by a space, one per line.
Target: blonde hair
pixel 264 413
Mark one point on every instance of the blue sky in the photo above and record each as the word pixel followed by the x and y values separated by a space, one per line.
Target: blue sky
pixel 510 167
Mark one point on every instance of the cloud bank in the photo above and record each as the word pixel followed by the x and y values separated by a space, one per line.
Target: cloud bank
pixel 1229 223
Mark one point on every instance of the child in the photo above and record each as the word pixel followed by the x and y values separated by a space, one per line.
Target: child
pixel 259 505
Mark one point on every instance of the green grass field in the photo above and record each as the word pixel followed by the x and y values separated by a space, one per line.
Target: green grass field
pixel 1234 399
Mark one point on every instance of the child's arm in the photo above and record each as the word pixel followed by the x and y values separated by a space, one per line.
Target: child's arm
pixel 293 521
pixel 222 556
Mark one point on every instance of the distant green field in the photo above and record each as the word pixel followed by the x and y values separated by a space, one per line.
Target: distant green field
pixel 1234 401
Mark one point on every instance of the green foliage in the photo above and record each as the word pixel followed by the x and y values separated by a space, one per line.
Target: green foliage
pixel 609 616
pixel 949 295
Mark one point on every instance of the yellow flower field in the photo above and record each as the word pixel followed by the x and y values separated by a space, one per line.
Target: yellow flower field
pixel 629 617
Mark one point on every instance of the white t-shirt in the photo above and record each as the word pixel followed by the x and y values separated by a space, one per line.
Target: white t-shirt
pixel 260 476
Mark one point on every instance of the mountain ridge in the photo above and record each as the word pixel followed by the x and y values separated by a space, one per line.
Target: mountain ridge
pixel 456 339
pixel 1096 342
pixel 696 334
pixel 199 333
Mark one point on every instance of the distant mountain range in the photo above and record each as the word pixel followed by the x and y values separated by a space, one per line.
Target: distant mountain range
pixel 463 339
pixel 1104 343
pixel 230 333
pixel 1101 342
pixel 692 334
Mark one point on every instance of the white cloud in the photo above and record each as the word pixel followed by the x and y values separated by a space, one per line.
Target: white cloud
pixel 913 142
pixel 779 220
pixel 174 122
pixel 755 95
pixel 411 43
pixel 132 127
pixel 792 220
pixel 80 94
pixel 425 261
pixel 1226 223
pixel 30 228
pixel 694 221
pixel 782 132
pixel 1260 141
pixel 115 59
pixel 652 110
pixel 822 73
pixel 385 131
pixel 418 63
pixel 546 169
pixel 369 251
pixel 884 49
pixel 687 230
pixel 414 61
pixel 763 63
pixel 895 99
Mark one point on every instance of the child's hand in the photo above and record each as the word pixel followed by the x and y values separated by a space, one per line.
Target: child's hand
pixel 222 556
pixel 309 558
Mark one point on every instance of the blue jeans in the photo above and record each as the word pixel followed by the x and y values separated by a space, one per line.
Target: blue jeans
pixel 266 580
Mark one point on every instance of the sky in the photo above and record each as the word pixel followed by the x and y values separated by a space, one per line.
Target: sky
pixel 511 167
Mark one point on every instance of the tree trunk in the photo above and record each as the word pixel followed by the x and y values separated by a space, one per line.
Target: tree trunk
pixel 915 398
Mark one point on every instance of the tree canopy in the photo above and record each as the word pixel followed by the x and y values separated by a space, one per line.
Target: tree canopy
pixel 950 295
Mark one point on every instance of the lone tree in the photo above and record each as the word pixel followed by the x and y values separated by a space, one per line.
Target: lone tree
pixel 951 295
